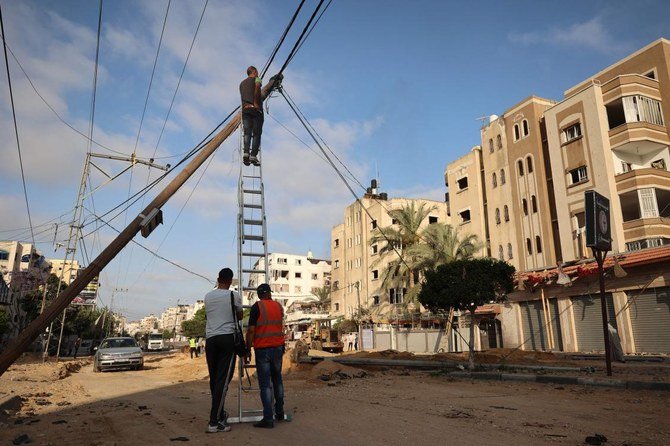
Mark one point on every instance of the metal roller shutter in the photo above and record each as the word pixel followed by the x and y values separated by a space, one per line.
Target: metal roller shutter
pixel 534 335
pixel 555 325
pixel 589 321
pixel 650 319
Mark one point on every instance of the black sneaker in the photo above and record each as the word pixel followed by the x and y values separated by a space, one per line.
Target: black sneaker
pixel 279 417
pixel 265 424
pixel 245 159
pixel 218 427
pixel 253 159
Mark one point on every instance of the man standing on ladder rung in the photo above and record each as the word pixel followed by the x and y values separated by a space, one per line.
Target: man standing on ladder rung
pixel 266 334
pixel 252 115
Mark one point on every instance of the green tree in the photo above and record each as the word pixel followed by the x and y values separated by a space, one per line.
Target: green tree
pixel 466 284
pixel 30 287
pixel 167 334
pixel 195 328
pixel 323 294
pixel 442 243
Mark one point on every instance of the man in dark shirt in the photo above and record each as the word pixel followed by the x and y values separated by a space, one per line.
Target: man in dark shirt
pixel 252 115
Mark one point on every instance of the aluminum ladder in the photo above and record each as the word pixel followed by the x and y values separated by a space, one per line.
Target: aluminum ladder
pixel 252 262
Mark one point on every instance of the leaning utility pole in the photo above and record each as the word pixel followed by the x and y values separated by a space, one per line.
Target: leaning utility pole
pixel 32 331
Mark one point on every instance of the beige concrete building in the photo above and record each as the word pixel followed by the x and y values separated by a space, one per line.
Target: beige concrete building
pixel 65 268
pixel 466 196
pixel 149 323
pixel 356 267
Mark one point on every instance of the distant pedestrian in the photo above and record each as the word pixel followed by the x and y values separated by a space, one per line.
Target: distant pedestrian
pixel 201 345
pixel 77 343
pixel 193 347
pixel 350 340
pixel 266 335
pixel 356 341
pixel 220 351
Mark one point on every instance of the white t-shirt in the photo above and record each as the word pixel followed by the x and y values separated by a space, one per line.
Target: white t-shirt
pixel 219 314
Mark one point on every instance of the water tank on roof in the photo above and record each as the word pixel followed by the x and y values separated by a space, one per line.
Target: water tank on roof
pixel 492 118
pixel 384 196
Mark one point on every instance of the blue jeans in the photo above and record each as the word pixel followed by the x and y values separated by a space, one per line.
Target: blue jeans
pixel 268 369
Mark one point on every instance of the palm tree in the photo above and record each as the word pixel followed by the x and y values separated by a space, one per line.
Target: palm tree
pixel 442 244
pixel 323 296
pixel 398 239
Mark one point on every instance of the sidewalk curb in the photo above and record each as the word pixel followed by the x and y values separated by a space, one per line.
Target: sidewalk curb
pixel 569 380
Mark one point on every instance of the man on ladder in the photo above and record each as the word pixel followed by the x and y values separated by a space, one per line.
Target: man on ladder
pixel 266 334
pixel 252 115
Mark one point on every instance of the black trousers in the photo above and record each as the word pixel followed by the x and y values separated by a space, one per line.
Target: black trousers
pixel 220 354
pixel 252 121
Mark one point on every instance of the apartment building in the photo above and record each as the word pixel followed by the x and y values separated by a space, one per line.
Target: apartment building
pixel 149 323
pixel 172 317
pixel 357 267
pixel 293 277
pixel 609 133
pixel 66 269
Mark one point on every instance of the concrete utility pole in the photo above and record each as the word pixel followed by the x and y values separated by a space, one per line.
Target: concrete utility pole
pixel 33 330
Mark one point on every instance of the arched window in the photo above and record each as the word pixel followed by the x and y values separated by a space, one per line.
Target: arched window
pixel 499 142
pixel 491 145
pixel 506 213
pixel 501 254
pixel 510 254
pixel 529 164
pixel 538 244
pixel 497 216
pixel 529 246
pixel 517 134
pixel 526 130
pixel 502 176
pixel 520 166
pixel 494 180
pixel 533 204
pixel 524 205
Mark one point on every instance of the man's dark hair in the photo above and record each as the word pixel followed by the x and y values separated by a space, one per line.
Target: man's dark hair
pixel 250 69
pixel 225 275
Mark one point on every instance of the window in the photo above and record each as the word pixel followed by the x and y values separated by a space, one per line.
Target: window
pixel 520 166
pixel 533 204
pixel 510 254
pixel 396 295
pixel 538 244
pixel 529 165
pixel 349 242
pixel 626 167
pixel 357 216
pixel 357 263
pixel 358 239
pixel 526 130
pixel 494 180
pixel 4 255
pixel 502 177
pixel 578 175
pixel 499 142
pixel 298 261
pixel 658 164
pixel 432 220
pixel 337 263
pixel 348 221
pixel 506 213
pixel 497 216
pixel 374 224
pixel 524 206
pixel 465 216
pixel 394 221
pixel 634 109
pixel 315 276
pixel 650 75
pixel 375 300
pixel 297 289
pixel 572 132
pixel 491 145
pixel 517 134
pixel 374 249
pixel 375 274
pixel 337 242
pixel 336 285
pixel 529 246
pixel 282 261
pixel 298 275
pixel 462 183
pixel 337 306
pixel 501 253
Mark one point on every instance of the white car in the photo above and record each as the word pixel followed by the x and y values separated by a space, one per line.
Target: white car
pixel 118 353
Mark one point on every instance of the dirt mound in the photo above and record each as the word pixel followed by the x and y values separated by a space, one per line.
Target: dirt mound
pixel 385 354
pixel 499 356
pixel 329 370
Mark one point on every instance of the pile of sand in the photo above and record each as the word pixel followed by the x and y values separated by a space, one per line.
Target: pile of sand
pixel 328 370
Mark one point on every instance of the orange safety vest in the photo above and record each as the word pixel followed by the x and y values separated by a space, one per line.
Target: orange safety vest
pixel 269 327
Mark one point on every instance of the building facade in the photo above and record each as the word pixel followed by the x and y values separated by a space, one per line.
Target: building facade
pixel 357 266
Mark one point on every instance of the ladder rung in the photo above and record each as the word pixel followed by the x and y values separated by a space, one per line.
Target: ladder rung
pixel 252 206
pixel 253 237
pixel 253 254
pixel 251 191
pixel 248 288
pixel 250 176
pixel 254 271
pixel 253 222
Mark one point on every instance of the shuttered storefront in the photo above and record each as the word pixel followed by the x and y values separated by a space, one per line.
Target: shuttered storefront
pixel 650 319
pixel 533 325
pixel 589 322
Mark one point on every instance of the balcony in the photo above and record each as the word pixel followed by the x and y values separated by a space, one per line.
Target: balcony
pixel 641 178
pixel 646 228
pixel 638 138
pixel 646 214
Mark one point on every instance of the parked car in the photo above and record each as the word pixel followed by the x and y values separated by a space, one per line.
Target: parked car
pixel 118 353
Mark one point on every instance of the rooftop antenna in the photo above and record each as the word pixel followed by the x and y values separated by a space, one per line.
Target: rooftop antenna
pixel 483 120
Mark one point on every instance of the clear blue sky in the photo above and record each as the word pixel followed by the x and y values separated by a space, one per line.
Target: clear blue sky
pixel 391 85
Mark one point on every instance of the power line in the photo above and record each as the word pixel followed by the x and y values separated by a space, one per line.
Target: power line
pixel 311 29
pixel 95 80
pixel 16 129
pixel 281 39
pixel 294 50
